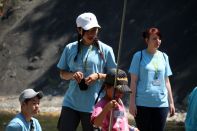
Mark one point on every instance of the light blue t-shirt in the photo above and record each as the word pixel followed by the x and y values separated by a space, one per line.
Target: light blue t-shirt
pixel 18 123
pixel 191 117
pixel 151 91
pixel 89 61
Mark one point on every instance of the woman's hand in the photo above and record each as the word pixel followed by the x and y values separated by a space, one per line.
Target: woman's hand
pixel 170 98
pixel 91 78
pixel 78 76
pixel 172 110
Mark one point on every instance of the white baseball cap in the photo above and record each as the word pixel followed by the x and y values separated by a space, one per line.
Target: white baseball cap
pixel 28 94
pixel 87 21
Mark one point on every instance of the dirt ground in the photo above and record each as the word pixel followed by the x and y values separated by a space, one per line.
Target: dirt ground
pixel 52 105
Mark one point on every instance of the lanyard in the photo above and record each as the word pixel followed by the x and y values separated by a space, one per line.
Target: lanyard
pixel 155 65
pixel 86 58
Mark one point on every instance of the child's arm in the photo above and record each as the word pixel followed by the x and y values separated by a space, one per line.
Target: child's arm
pixel 108 107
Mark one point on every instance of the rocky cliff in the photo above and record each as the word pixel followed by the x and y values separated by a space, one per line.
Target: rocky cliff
pixel 35 32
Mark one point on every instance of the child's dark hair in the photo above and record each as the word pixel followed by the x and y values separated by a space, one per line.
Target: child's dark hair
pixel 96 44
pixel 150 31
pixel 27 100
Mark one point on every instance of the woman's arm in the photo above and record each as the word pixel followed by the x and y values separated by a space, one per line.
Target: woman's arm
pixel 170 97
pixel 79 75
pixel 133 85
pixel 66 75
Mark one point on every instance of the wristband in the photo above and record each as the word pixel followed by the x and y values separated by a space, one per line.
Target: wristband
pixel 98 75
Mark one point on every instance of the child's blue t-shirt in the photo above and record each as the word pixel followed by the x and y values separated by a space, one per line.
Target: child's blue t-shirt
pixel 19 123
pixel 151 70
pixel 88 61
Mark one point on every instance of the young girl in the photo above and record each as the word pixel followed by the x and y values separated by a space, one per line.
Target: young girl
pixel 101 113
pixel 83 62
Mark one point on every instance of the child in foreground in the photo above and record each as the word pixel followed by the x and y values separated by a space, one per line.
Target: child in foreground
pixel 102 110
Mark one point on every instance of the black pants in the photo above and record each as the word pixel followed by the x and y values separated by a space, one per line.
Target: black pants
pixel 69 120
pixel 151 119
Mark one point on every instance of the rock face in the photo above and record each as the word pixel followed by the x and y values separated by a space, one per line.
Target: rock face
pixel 35 33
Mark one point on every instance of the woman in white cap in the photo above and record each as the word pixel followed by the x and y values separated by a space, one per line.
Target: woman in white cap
pixel 83 62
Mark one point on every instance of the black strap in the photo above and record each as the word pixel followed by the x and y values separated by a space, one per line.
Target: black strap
pixel 31 125
pixel 164 56
pixel 141 57
pixel 139 63
pixel 102 87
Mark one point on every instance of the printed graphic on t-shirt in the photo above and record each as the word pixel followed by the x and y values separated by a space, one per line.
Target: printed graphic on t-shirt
pixel 118 114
